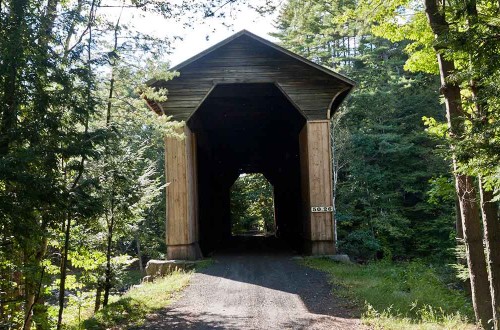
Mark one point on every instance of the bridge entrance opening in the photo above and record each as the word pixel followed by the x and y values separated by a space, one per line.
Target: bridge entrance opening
pixel 247 128
pixel 252 206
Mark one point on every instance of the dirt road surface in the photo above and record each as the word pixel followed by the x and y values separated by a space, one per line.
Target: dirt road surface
pixel 257 291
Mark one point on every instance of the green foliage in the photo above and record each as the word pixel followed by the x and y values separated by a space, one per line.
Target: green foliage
pixel 430 319
pixel 132 308
pixel 471 44
pixel 252 205
pixel 80 153
pixel 382 206
pixel 411 295
pixel 442 190
pixel 58 162
pixel 360 244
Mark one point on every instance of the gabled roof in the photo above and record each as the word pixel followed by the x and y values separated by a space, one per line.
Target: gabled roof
pixel 247 58
pixel 267 43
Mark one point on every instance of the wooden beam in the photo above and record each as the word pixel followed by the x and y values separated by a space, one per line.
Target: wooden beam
pixel 182 197
pixel 316 180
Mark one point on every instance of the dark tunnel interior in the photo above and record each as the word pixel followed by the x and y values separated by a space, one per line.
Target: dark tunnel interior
pixel 247 128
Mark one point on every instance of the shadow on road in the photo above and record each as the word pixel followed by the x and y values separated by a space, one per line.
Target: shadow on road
pixel 269 262
pixel 254 283
pixel 171 319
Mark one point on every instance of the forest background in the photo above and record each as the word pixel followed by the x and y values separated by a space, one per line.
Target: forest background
pixel 81 184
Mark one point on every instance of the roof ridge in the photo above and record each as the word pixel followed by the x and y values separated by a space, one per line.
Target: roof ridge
pixel 267 43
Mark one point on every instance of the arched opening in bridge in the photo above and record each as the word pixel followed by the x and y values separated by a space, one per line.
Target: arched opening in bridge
pixel 247 128
pixel 252 206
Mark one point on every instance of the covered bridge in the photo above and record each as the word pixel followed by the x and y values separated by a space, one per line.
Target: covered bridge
pixel 250 106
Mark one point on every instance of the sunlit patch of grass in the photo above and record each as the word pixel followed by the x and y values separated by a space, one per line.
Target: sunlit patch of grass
pixel 399 295
pixel 430 319
pixel 131 308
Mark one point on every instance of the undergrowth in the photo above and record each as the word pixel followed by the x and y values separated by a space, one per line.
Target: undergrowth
pixel 399 295
pixel 131 308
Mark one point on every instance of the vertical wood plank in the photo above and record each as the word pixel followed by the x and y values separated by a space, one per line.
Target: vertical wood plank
pixel 316 173
pixel 175 167
pixel 182 201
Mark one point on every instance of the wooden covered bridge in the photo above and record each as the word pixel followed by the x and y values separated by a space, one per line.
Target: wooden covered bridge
pixel 250 106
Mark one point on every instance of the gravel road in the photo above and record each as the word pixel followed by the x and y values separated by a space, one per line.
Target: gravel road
pixel 257 291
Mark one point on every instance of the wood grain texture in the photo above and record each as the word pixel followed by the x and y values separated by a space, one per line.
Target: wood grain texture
pixel 184 252
pixel 245 60
pixel 316 175
pixel 182 201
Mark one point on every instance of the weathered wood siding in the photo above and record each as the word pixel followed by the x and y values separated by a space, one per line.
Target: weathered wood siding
pixel 245 60
pixel 316 179
pixel 182 199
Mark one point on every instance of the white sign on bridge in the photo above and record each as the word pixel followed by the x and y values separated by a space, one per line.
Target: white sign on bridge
pixel 316 209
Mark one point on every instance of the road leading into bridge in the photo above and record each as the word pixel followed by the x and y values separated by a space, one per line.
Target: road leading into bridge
pixel 257 290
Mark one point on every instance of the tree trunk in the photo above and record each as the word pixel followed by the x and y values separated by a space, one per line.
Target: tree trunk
pixel 34 286
pixel 489 208
pixel 71 29
pixel 139 253
pixel 338 136
pixel 98 294
pixel 472 231
pixel 458 220
pixel 460 242
pixel 491 226
pixel 48 24
pixel 111 221
pixel 28 317
pixel 107 281
pixel 64 261
pixel 476 261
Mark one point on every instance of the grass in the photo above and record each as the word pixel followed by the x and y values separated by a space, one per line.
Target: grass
pixel 131 308
pixel 399 295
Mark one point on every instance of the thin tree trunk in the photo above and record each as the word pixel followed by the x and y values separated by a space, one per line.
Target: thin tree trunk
pixel 28 317
pixel 97 305
pixel 476 260
pixel 491 226
pixel 98 295
pixel 139 252
pixel 71 30
pixel 48 23
pixel 111 222
pixel 64 261
pixel 107 283
pixel 472 230
pixel 32 293
pixel 458 220
pixel 67 226
pixel 460 242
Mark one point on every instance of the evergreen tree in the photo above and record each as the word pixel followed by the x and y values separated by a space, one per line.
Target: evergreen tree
pixel 72 143
pixel 462 37
pixel 382 205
